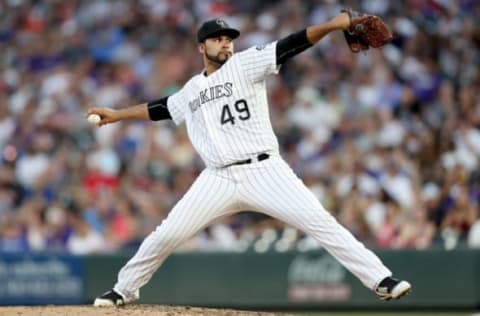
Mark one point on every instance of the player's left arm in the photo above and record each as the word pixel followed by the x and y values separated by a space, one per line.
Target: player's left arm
pixel 260 61
pixel 296 43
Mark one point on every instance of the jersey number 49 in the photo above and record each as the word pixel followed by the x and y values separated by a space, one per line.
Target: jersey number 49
pixel 241 109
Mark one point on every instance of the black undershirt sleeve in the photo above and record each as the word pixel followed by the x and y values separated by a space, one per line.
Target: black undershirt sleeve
pixel 292 45
pixel 157 110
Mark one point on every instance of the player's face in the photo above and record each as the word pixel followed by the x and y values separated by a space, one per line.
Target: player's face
pixel 217 49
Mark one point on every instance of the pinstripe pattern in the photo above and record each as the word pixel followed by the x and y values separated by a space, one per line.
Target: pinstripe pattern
pixel 275 190
pixel 222 144
pixel 194 211
pixel 176 106
pixel 269 186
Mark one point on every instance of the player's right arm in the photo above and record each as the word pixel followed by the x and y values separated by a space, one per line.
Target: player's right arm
pixel 156 110
pixel 109 115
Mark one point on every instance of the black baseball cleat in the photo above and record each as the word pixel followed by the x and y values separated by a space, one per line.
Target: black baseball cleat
pixel 110 298
pixel 392 288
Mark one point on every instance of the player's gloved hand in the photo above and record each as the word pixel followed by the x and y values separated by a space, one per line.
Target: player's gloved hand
pixel 366 31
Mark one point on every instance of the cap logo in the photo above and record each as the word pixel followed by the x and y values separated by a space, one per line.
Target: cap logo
pixel 221 23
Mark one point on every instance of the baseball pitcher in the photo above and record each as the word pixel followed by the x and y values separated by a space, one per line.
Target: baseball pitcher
pixel 225 110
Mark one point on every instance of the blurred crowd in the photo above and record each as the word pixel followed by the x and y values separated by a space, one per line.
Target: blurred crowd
pixel 388 140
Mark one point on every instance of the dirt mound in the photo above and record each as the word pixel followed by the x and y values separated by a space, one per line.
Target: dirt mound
pixel 132 310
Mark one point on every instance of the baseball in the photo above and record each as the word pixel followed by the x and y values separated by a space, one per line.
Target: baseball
pixel 94 119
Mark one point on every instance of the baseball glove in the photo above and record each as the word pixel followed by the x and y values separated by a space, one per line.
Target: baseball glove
pixel 366 31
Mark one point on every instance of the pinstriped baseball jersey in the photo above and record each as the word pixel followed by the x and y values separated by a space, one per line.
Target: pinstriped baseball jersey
pixel 226 113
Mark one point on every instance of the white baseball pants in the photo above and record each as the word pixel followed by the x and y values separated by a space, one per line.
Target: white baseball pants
pixel 270 187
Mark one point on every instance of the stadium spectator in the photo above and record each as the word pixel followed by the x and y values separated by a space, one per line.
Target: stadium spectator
pixel 388 140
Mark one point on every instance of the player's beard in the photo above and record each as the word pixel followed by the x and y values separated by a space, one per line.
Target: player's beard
pixel 217 59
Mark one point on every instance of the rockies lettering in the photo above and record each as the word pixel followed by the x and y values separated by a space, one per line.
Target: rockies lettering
pixel 210 94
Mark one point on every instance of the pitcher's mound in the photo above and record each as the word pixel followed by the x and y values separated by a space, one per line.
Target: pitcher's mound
pixel 131 310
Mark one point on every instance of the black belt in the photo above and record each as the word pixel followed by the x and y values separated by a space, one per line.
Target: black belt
pixel 260 157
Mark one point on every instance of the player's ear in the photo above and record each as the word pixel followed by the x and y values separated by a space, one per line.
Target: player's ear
pixel 201 47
